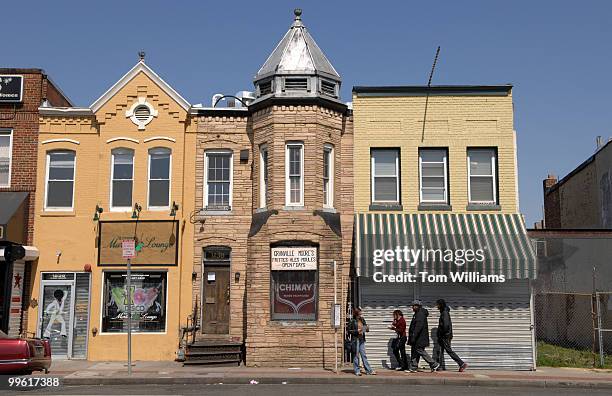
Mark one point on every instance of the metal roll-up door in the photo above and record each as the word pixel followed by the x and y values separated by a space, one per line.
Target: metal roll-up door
pixel 378 301
pixel 491 321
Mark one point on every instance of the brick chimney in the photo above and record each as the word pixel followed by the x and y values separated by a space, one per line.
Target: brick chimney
pixel 550 181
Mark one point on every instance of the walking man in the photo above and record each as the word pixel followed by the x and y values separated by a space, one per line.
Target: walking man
pixel 445 335
pixel 399 343
pixel 418 338
pixel 357 328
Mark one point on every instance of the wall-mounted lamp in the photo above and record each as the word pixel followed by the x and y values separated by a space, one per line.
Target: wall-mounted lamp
pixel 136 211
pixel 173 209
pixel 99 211
pixel 237 277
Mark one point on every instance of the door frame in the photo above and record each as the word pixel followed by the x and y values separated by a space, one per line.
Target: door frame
pixel 41 308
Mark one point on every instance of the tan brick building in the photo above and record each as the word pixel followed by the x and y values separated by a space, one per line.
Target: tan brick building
pixel 274 184
pixel 436 173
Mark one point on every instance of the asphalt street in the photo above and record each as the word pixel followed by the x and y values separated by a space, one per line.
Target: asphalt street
pixel 314 389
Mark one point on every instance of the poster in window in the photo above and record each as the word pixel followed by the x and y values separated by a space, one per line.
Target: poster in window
pixel 148 296
pixel 294 295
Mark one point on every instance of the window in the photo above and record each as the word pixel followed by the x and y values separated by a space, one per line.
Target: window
pixel 263 176
pixel 148 299
pixel 218 195
pixel 482 187
pixel 328 88
pixel 433 172
pixel 6 150
pixel 385 175
pixel 265 88
pixel 328 176
pixel 294 171
pixel 296 84
pixel 293 282
pixel 122 178
pixel 60 180
pixel 160 160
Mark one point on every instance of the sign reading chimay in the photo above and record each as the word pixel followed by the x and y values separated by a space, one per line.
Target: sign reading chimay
pixel 11 89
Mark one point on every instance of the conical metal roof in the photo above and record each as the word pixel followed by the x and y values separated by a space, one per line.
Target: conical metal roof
pixel 297 53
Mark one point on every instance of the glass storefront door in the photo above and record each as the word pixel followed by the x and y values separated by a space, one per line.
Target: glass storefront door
pixel 56 316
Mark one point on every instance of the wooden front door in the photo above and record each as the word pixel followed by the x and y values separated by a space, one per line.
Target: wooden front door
pixel 216 301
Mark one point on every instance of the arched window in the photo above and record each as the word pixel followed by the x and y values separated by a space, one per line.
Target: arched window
pixel 122 179
pixel 160 165
pixel 59 194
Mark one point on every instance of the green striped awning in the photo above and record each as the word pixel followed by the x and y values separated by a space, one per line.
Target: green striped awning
pixel 489 244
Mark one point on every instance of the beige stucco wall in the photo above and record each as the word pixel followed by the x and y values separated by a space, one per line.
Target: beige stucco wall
pixel 74 233
pixel 453 121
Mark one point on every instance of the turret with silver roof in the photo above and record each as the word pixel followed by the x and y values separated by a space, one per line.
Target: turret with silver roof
pixel 297 68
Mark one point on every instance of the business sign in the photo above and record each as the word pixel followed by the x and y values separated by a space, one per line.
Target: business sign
pixel 58 276
pixel 155 241
pixel 294 258
pixel 11 89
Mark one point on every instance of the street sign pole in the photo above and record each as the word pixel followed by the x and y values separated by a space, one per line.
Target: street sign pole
pixel 129 312
pixel 128 247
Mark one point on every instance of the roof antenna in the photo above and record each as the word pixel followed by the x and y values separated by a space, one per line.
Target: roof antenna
pixel 433 68
pixel 141 55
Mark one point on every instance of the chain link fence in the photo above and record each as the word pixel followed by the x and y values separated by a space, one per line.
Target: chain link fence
pixel 574 329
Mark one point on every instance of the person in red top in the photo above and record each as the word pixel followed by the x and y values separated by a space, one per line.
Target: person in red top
pixel 399 343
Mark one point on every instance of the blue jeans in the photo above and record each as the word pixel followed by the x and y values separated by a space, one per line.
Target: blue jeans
pixel 361 351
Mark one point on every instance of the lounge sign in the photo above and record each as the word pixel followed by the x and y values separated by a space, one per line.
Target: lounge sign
pixel 156 242
pixel 294 258
pixel 11 89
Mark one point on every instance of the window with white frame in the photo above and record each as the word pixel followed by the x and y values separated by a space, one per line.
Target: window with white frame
pixel 59 194
pixel 482 183
pixel 160 160
pixel 328 176
pixel 294 174
pixel 385 175
pixel 263 176
pixel 122 178
pixel 434 174
pixel 218 194
pixel 6 153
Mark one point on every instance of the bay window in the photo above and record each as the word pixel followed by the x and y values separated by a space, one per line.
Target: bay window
pixel 263 176
pixel 294 174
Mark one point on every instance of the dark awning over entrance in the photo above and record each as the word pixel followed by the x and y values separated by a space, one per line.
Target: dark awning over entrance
pixel 490 244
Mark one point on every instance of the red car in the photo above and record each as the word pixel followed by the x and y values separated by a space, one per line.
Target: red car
pixel 23 355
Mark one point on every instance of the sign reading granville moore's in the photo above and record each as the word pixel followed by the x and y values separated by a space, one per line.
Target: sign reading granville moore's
pixel 294 258
pixel 156 242
pixel 11 88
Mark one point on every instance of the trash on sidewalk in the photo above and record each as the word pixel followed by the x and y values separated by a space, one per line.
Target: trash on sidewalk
pixel 253 382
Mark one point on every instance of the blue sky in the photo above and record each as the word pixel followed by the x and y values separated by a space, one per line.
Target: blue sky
pixel 556 53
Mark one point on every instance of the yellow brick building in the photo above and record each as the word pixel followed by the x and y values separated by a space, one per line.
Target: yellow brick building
pixel 119 169
pixel 436 174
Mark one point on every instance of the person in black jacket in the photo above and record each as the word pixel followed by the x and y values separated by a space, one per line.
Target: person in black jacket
pixel 418 338
pixel 445 335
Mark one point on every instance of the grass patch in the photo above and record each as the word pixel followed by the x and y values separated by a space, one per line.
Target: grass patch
pixel 556 356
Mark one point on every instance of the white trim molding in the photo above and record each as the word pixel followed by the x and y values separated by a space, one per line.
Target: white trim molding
pixel 122 138
pixel 131 113
pixel 133 72
pixel 147 140
pixel 61 141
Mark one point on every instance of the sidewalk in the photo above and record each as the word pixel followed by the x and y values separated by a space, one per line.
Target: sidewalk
pixel 79 372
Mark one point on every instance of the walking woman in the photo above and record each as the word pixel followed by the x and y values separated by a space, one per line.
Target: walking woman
pixel 357 328
pixel 399 343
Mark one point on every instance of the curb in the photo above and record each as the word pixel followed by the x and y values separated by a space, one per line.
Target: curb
pixel 344 380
